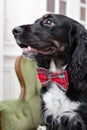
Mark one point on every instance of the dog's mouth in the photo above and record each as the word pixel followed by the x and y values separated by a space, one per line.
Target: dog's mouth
pixel 47 51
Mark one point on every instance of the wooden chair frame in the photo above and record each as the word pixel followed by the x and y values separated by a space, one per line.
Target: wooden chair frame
pixel 20 77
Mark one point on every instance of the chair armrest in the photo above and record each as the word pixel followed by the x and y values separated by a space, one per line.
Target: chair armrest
pixel 20 77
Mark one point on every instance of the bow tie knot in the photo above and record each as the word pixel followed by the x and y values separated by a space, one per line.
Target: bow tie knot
pixel 60 78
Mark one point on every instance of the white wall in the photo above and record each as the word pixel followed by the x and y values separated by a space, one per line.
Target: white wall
pixel 1 49
pixel 73 9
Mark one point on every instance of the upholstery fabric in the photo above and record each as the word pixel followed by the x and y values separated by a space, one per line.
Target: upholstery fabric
pixel 24 114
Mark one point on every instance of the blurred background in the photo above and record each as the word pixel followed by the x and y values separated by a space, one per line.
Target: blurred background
pixel 17 12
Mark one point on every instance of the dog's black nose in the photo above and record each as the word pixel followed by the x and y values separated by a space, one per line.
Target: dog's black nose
pixel 17 31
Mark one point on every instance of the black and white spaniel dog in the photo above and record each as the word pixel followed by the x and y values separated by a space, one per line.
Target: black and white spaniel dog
pixel 59 45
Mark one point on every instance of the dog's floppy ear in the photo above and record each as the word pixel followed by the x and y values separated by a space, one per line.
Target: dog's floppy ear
pixel 78 64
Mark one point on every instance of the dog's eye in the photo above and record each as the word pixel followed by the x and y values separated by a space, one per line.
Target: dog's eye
pixel 48 23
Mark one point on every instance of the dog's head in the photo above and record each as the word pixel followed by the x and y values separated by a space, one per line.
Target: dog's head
pixel 50 36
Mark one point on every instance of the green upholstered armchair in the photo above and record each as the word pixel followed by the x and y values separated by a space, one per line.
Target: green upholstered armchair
pixel 23 113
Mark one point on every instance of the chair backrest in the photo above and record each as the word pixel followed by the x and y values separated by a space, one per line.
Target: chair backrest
pixel 27 75
pixel 30 86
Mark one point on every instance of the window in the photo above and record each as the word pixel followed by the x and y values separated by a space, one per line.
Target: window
pixel 50 5
pixel 57 6
pixel 62 7
pixel 83 10
pixel 82 14
pixel 83 1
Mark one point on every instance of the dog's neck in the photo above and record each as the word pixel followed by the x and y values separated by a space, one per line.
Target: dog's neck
pixel 54 68
pixel 52 64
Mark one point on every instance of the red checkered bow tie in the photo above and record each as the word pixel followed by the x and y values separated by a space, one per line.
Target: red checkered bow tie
pixel 60 78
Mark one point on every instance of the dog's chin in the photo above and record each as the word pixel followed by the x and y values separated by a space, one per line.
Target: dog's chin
pixel 32 52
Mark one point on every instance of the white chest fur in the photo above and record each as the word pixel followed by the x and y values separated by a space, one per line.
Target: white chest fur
pixel 57 103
